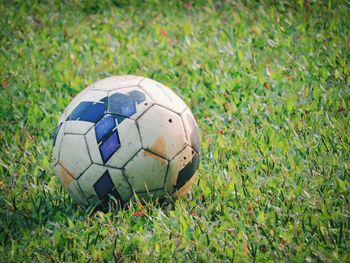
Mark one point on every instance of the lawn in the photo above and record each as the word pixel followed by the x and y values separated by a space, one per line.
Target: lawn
pixel 269 85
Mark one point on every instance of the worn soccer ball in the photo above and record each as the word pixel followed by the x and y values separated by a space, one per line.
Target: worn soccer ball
pixel 126 138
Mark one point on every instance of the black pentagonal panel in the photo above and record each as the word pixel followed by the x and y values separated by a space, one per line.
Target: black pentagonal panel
pixel 187 172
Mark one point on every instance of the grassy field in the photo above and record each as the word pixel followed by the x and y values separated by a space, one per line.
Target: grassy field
pixel 269 86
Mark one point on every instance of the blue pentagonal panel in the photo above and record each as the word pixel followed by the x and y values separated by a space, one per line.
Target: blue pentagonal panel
pixel 104 126
pixel 88 111
pixel 137 96
pixel 104 185
pixel 109 146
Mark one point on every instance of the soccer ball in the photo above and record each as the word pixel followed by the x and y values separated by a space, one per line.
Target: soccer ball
pixel 125 138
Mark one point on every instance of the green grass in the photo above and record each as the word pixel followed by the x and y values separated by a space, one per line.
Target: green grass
pixel 269 86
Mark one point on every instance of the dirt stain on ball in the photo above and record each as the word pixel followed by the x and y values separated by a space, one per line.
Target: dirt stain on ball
pixel 67 177
pixel 160 147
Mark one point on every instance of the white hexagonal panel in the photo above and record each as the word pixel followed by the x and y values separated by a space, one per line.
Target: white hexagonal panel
pixel 162 132
pixel 93 148
pixel 77 127
pixel 76 193
pixel 192 131
pixel 146 171
pixel 116 82
pixel 74 155
pixel 70 184
pixel 130 143
pixel 57 142
pixel 162 95
pixel 99 181
pixel 181 171
pixel 120 183
pixel 128 102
